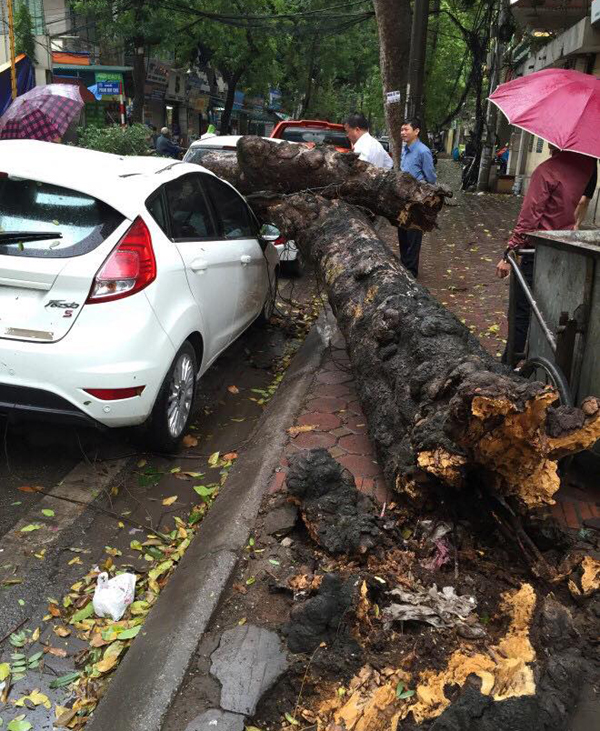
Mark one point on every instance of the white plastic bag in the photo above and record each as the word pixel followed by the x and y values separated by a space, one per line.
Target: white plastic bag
pixel 113 596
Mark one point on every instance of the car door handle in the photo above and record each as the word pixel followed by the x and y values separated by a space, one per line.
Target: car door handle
pixel 245 259
pixel 199 265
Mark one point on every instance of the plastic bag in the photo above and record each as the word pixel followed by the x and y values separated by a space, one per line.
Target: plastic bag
pixel 113 596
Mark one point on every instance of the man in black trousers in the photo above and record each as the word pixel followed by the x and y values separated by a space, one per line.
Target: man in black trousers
pixel 418 161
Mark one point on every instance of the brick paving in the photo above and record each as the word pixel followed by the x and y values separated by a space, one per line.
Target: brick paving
pixel 458 267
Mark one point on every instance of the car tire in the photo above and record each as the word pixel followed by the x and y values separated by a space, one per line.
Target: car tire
pixel 268 309
pixel 174 405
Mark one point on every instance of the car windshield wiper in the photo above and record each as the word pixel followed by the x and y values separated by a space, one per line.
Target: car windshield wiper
pixel 7 237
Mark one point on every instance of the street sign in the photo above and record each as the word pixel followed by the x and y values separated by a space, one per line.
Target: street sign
pixel 109 88
pixel 392 97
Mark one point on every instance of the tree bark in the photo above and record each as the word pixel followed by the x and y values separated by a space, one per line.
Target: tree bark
pixel 275 169
pixel 232 79
pixel 442 412
pixel 139 80
pixel 418 54
pixel 393 26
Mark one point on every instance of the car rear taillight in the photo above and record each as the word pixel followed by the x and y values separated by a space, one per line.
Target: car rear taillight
pixel 114 394
pixel 130 267
pixel 280 241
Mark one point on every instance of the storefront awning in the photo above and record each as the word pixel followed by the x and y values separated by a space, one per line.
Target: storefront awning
pixel 25 80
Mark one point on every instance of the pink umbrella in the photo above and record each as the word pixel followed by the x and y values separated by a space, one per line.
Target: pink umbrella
pixel 44 113
pixel 558 105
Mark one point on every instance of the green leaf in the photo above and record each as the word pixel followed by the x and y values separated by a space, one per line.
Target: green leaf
pixel 274 562
pixel 20 602
pixel 48 513
pixel 402 694
pixel 64 680
pixel 139 608
pixel 129 634
pixel 136 546
pixel 35 657
pixel 4 671
pixel 19 724
pixel 290 719
pixel 250 581
pixel 213 460
pixel 17 639
pixel 84 613
pixel 31 527
pixel 204 492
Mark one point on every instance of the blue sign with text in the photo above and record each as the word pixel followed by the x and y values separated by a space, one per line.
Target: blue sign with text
pixel 109 87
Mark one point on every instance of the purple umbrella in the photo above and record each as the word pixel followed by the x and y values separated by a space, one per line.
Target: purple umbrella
pixel 44 113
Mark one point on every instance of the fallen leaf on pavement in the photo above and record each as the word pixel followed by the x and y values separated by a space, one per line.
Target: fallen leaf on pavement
pixel 294 430
pixel 64 716
pixel 190 441
pixel 233 389
pixel 35 697
pixel 27 488
pixel 230 456
pixel 31 527
pixel 48 512
pixel 62 631
pixel 169 500
pixel 214 459
pixel 56 651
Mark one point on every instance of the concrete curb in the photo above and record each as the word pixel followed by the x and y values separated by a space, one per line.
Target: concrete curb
pixel 154 668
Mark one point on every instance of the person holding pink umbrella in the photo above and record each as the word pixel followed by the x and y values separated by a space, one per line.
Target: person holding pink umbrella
pixel 562 107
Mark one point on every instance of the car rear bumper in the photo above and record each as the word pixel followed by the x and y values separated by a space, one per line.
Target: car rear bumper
pixel 112 345
pixel 23 403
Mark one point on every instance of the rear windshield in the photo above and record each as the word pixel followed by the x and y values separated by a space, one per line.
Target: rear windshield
pixel 317 136
pixel 27 205
pixel 196 154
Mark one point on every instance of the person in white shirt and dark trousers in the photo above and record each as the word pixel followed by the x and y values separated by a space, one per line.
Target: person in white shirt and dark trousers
pixel 368 148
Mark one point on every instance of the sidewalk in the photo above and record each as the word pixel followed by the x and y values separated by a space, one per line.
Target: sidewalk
pixel 330 416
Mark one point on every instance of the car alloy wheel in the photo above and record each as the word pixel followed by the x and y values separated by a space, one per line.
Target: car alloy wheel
pixel 181 395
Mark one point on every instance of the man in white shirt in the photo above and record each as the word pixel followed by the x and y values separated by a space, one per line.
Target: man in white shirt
pixel 367 147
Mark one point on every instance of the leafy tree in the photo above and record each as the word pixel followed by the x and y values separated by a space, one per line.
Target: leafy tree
pixel 24 38
pixel 133 140
pixel 138 25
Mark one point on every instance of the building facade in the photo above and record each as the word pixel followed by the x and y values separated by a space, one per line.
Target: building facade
pixel 572 31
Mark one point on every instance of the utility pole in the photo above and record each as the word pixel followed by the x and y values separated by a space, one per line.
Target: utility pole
pixel 11 38
pixel 487 153
pixel 418 54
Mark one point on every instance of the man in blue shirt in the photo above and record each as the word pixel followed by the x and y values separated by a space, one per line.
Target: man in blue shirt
pixel 416 160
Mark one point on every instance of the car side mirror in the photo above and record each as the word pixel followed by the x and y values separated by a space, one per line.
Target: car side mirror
pixel 268 232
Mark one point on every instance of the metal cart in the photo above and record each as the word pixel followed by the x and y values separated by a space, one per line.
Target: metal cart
pixel 563 345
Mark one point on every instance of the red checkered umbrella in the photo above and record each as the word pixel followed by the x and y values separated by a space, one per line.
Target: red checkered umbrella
pixel 44 113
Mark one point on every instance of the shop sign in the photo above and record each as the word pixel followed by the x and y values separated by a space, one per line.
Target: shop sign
pixel 158 72
pixel 200 104
pixel 176 87
pixel 157 93
pixel 109 84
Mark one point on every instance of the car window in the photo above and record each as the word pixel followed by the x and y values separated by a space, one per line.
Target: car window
pixel 188 209
pixel 316 136
pixel 80 222
pixel 233 215
pixel 197 154
pixel 156 207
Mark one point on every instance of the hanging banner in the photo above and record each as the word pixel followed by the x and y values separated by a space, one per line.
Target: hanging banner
pixel 392 97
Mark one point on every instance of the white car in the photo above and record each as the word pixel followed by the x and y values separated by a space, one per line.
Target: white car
pixel 121 281
pixel 289 254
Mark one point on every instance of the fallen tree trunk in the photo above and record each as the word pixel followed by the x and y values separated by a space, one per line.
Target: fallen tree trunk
pixel 285 168
pixel 441 411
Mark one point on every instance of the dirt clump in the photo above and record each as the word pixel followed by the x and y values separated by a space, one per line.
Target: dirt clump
pixel 338 517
